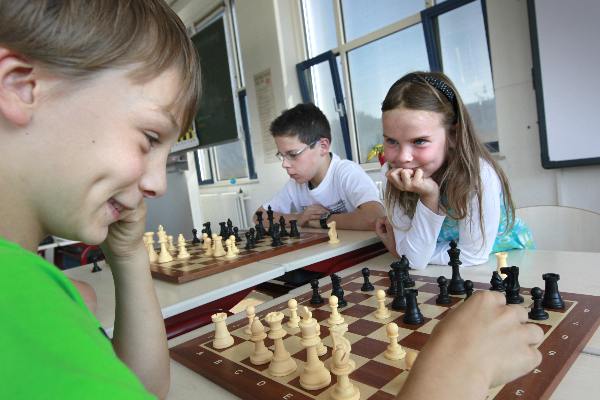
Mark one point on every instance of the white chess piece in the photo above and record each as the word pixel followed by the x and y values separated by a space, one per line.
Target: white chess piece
pixel 219 251
pixel 164 255
pixel 205 243
pixel 341 366
pixel 382 311
pixel 149 239
pixel 333 237
pixel 261 354
pixel 223 338
pixel 234 244
pixel 230 251
pixel 294 318
pixel 208 251
pixel 394 351
pixel 183 253
pixel 282 363
pixel 314 375
pixel 335 318
pixel 171 247
pixel 161 233
pixel 501 262
pixel 250 313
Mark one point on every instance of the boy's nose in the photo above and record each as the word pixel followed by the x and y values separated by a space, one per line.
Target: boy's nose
pixel 154 182
pixel 285 163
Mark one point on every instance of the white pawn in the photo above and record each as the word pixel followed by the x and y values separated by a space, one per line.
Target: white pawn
pixel 223 338
pixel 335 318
pixel 234 245
pixel 208 250
pixel 149 239
pixel 205 243
pixel 171 247
pixel 261 354
pixel 341 366
pixel 382 311
pixel 214 242
pixel 501 262
pixel 294 318
pixel 183 253
pixel 161 233
pixel 164 255
pixel 333 237
pixel 250 313
pixel 394 351
pixel 219 251
pixel 230 251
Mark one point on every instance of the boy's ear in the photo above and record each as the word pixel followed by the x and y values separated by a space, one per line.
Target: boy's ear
pixel 324 145
pixel 17 85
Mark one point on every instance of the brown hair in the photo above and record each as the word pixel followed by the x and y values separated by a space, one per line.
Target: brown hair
pixel 75 39
pixel 460 176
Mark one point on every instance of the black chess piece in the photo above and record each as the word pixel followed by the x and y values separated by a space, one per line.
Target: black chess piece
pixel 259 225
pixel 496 282
pixel 294 229
pixel 337 291
pixel 207 229
pixel 248 241
pixel 282 231
pixel 229 227
pixel 405 267
pixel 393 289
pixel 270 219
pixel 236 234
pixel 316 297
pixel 468 288
pixel 96 267
pixel 399 302
pixel 276 236
pixel 443 297
pixel 258 233
pixel 252 237
pixel 223 232
pixel 413 315
pixel 511 285
pixel 457 285
pixel 195 239
pixel 367 286
pixel 552 298
pixel 537 312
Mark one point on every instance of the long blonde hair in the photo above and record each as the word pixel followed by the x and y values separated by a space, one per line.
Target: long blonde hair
pixel 75 39
pixel 459 177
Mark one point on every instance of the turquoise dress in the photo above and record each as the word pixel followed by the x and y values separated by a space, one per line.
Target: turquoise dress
pixel 519 237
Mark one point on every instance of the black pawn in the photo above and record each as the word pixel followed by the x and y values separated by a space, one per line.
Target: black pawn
pixel 335 282
pixel 552 298
pixel 275 235
pixel 399 303
pixel 337 290
pixel 367 286
pixel 236 233
pixel 294 229
pixel 195 239
pixel 96 267
pixel 537 312
pixel 413 315
pixel 252 238
pixel 443 297
pixel 282 231
pixel 468 288
pixel 248 241
pixel 496 282
pixel 316 297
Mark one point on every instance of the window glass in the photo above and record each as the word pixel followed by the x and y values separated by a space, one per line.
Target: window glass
pixel 319 26
pixel 466 61
pixel 362 17
pixel 373 69
pixel 320 82
pixel 231 161
pixel 204 169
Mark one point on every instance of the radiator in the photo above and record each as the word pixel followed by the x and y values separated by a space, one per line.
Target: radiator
pixel 217 207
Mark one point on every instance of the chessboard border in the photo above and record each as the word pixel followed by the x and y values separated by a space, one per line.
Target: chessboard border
pixel 174 276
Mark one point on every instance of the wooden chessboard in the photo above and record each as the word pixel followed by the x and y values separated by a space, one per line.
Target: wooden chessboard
pixel 199 265
pixel 566 332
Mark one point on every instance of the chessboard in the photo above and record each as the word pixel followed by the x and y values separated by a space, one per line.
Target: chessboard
pixel 566 333
pixel 200 265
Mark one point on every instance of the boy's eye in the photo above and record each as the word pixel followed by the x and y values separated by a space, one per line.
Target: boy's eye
pixel 152 138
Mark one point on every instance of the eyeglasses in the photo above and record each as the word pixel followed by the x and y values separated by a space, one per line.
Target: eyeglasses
pixel 293 155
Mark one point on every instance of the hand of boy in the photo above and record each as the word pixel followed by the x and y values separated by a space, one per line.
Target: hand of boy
pixel 124 239
pixel 311 213
pixel 484 342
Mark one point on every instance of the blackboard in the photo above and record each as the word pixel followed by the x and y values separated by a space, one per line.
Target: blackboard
pixel 215 121
pixel 566 54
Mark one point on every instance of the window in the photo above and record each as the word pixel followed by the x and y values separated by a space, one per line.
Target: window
pixel 382 40
pixel 224 159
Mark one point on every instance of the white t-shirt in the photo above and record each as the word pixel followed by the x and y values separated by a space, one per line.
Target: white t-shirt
pixel 345 187
pixel 417 237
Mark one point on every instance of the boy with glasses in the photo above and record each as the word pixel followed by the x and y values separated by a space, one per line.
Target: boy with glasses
pixel 323 187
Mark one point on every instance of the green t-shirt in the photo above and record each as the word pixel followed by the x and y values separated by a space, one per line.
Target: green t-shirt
pixel 51 346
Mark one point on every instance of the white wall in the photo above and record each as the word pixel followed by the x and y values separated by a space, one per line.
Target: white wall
pixel 270 39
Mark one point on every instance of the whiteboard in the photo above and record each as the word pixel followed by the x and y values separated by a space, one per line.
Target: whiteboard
pixel 565 42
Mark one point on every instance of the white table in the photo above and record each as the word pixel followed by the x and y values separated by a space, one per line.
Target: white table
pixel 178 298
pixel 578 274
